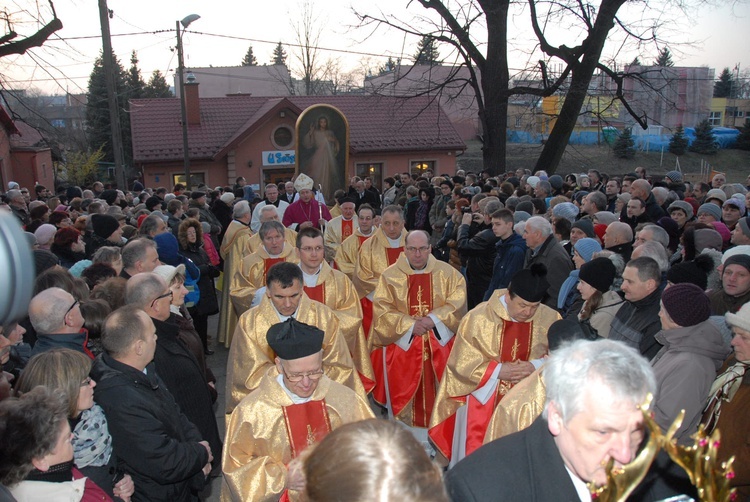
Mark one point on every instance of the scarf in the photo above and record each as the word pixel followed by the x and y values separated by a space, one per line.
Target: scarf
pixel 566 288
pixel 59 473
pixel 421 217
pixel 723 390
pixel 92 444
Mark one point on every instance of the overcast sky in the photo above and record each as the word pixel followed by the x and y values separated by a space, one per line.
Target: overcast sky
pixel 222 35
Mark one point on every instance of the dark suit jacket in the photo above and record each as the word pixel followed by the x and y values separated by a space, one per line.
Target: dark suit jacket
pixel 368 197
pixel 523 466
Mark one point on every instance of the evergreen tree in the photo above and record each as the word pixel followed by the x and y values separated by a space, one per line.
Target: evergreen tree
pixel 249 59
pixel 743 140
pixel 98 130
pixel 664 58
pixel 679 143
pixel 704 141
pixel 723 88
pixel 427 51
pixel 624 146
pixel 387 67
pixel 279 54
pixel 134 80
pixel 157 87
pixel 636 62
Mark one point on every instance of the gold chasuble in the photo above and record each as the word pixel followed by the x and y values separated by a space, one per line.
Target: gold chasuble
pixel 335 290
pixel 414 362
pixel 267 430
pixel 231 250
pixel 337 231
pixel 470 388
pixel 518 408
pixel 250 355
pixel 254 244
pixel 252 275
pixel 346 254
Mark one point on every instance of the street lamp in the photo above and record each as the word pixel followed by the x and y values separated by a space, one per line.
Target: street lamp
pixel 183 108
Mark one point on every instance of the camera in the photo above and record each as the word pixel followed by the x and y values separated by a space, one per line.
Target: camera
pixel 466 210
pixel 17 264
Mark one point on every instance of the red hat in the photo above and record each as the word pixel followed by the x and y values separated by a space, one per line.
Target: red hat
pixel 599 230
pixel 141 218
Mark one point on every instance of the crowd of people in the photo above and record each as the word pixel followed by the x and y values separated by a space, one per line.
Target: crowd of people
pixel 462 337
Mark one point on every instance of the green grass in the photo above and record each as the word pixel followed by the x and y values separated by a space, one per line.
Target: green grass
pixel 580 158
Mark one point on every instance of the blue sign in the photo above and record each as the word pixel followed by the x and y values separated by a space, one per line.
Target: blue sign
pixel 279 158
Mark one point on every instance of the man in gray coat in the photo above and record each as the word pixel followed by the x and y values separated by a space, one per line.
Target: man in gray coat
pixel 544 248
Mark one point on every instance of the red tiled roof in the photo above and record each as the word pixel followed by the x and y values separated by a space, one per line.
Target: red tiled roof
pixel 376 124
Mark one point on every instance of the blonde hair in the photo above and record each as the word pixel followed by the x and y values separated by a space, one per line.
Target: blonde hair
pixel 372 460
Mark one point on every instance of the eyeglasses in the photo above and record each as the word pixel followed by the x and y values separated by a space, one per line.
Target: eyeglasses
pixel 421 250
pixel 71 308
pixel 86 382
pixel 298 377
pixel 165 295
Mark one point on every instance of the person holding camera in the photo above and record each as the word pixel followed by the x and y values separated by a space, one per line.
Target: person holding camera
pixel 478 250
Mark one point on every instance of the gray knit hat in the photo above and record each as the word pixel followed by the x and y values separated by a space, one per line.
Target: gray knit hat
pixel 674 176
pixel 716 193
pixel 566 210
pixel 712 209
pixel 684 206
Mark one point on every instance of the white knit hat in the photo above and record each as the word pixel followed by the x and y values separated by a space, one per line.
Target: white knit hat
pixel 741 319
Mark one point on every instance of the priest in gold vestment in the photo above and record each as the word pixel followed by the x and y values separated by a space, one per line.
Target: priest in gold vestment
pixel 347 252
pixel 334 289
pixel 251 276
pixel 232 248
pixel 250 355
pixel 341 227
pixel 498 344
pixel 294 407
pixel 268 213
pixel 417 307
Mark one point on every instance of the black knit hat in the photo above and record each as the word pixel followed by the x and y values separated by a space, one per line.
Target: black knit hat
pixel 104 225
pixel 530 283
pixel 562 331
pixel 738 259
pixel 599 273
pixel 197 194
pixel 109 196
pixel 586 226
pixel 694 272
pixel 686 304
pixel 44 260
pixel 292 339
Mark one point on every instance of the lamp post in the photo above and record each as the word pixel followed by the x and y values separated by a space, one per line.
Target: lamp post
pixel 183 107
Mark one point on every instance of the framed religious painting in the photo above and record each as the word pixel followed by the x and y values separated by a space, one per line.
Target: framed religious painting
pixel 323 148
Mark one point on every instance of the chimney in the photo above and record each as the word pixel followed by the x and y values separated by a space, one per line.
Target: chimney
pixel 192 101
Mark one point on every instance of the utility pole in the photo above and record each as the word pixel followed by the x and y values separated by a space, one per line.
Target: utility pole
pixel 183 109
pixel 114 115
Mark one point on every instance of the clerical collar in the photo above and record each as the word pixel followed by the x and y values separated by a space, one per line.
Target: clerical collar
pixel 269 203
pixel 372 229
pixel 505 304
pixel 311 279
pixel 394 243
pixel 294 397
pixel 420 271
pixel 283 318
pixel 269 254
pixel 242 223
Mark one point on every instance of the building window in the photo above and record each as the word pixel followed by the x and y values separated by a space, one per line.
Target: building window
pixel 418 167
pixel 518 122
pixel 282 137
pixel 372 170
pixel 714 118
pixel 195 178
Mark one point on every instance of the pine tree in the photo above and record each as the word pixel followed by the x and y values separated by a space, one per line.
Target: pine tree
pixel 679 143
pixel 743 140
pixel 704 141
pixel 279 54
pixel 664 58
pixel 624 146
pixel 723 88
pixel 427 51
pixel 157 87
pixel 98 130
pixel 133 79
pixel 636 62
pixel 387 67
pixel 249 59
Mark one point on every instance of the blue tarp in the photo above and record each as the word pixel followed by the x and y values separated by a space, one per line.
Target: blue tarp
pixel 725 138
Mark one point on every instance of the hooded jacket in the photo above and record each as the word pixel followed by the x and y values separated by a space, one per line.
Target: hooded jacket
pixel 636 324
pixel 509 259
pixel 155 443
pixel 685 368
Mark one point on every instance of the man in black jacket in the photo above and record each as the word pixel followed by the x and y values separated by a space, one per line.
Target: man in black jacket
pixel 155 443
pixel 480 252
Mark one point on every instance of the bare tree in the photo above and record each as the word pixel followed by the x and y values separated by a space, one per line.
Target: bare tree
pixel 307 31
pixel 11 44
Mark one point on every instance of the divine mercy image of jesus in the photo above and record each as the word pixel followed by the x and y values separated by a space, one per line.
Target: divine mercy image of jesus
pixel 323 134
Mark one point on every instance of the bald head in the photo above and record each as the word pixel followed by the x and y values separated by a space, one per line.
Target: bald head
pixel 617 233
pixel 417 238
pixel 640 189
pixel 50 312
pixel 268 213
pixel 143 291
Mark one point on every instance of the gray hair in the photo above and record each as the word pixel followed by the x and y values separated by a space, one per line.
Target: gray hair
pixel 241 209
pixel 617 260
pixel 660 194
pixel 143 288
pixel 492 206
pixel 150 224
pixel 659 234
pixel 540 224
pixel 598 199
pixel 572 369
pixel 655 251
pixel 268 226
pixel 135 251
pixel 107 254
pixel 47 310
pixel 268 208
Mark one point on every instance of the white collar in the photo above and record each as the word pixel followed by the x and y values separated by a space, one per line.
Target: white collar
pixel 294 397
pixel 394 243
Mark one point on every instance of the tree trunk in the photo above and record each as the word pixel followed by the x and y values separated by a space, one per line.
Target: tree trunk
pixel 581 76
pixel 495 80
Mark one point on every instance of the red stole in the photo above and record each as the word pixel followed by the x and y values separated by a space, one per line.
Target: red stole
pixel 306 424
pixel 363 238
pixel 347 228
pixel 268 263
pixel 317 293
pixel 392 254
